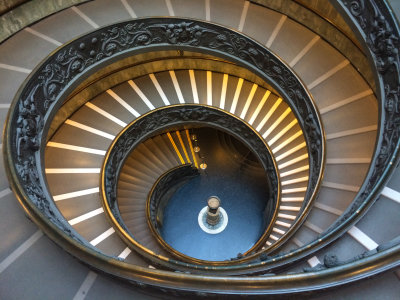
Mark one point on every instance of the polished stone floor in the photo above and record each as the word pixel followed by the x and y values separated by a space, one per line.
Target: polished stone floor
pixel 242 191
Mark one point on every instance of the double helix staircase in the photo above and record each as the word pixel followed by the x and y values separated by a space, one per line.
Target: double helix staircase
pixel 345 97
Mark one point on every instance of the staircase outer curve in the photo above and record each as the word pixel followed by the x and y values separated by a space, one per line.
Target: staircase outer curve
pixel 36 238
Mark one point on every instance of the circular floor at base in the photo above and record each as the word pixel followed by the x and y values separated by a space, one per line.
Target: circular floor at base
pixel 243 193
pixel 182 231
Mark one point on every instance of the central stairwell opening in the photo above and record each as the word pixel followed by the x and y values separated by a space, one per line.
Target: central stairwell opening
pixel 242 190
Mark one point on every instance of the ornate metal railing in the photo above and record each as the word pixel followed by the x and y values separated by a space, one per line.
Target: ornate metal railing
pixel 159 195
pixel 375 24
pixel 163 189
pixel 47 87
pixel 162 119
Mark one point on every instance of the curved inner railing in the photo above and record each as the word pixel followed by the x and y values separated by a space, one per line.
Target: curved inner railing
pixel 161 119
pixel 160 192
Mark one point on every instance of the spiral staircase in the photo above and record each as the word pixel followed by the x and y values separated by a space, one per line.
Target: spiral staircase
pixel 334 228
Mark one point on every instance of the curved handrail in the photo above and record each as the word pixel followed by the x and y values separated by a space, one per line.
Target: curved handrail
pixel 163 118
pixel 157 196
pixel 47 86
pixel 168 180
pixel 384 160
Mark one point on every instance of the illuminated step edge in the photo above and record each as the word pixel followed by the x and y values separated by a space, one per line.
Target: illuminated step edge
pixel 90 129
pixel 159 89
pixel 86 216
pixel 362 238
pixel 102 237
pixel 76 148
pixel 72 170
pixel 106 114
pixel 391 194
pixel 76 194
pixel 123 103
